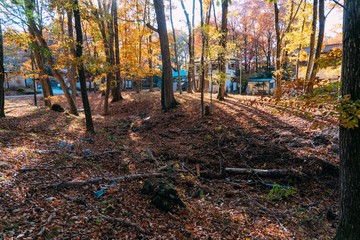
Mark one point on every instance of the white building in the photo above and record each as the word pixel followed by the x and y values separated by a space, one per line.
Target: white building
pixel 213 75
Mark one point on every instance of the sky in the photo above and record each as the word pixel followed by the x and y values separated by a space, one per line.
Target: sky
pixel 332 27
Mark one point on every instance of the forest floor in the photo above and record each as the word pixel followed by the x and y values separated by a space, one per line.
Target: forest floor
pixel 40 150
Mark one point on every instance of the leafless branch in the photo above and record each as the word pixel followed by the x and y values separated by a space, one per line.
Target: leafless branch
pixel 338 3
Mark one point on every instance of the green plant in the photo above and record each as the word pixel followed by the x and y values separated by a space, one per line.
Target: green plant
pixel 279 192
pixel 20 90
pixel 349 112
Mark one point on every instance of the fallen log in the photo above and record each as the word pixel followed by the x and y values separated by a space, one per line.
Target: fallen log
pixel 265 172
pixel 67 184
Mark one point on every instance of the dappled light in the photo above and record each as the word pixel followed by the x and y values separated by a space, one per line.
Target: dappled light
pixel 41 148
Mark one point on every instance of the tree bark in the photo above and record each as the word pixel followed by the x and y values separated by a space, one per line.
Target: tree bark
pixel 2 75
pixel 72 65
pixel 150 51
pixel 167 95
pixel 320 39
pixel 202 60
pixel 116 93
pixel 224 7
pixel 312 43
pixel 278 89
pixel 350 138
pixel 80 66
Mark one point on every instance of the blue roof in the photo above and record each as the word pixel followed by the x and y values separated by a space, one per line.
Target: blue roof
pixel 183 73
pixel 260 79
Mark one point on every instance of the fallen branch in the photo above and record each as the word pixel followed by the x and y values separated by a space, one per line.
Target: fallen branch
pixel 265 172
pixel 125 178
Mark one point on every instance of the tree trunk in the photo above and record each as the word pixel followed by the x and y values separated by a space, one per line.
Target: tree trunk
pixel 320 39
pixel 350 138
pixel 116 93
pixel 82 77
pixel 191 56
pixel 44 78
pixel 175 49
pixel 167 95
pixel 202 60
pixel 312 43
pixel 268 54
pixel 150 51
pixel 72 65
pixel 278 89
pixel 224 7
pixel 2 75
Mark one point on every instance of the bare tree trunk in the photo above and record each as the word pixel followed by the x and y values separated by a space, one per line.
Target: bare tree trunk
pixel 320 39
pixel 2 75
pixel 312 43
pixel 167 95
pixel 116 93
pixel 151 64
pixel 224 7
pixel 72 65
pixel 110 60
pixel 278 89
pixel 82 77
pixel 191 56
pixel 202 65
pixel 192 60
pixel 44 78
pixel 175 50
pixel 348 227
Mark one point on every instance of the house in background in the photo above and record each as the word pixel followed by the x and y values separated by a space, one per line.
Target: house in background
pixel 331 73
pixel 231 66
pixel 260 86
pixel 183 77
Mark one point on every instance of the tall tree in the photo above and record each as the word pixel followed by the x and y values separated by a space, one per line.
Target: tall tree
pixel 280 33
pixel 191 72
pixel 175 48
pixel 36 31
pixel 116 91
pixel 278 89
pixel 312 42
pixel 350 138
pixel 2 75
pixel 202 59
pixel 72 64
pixel 80 67
pixel 315 68
pixel 222 59
pixel 167 95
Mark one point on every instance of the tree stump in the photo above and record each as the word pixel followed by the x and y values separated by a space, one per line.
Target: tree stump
pixel 165 196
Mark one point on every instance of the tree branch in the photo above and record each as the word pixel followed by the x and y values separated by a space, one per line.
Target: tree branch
pixel 152 27
pixel 337 2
